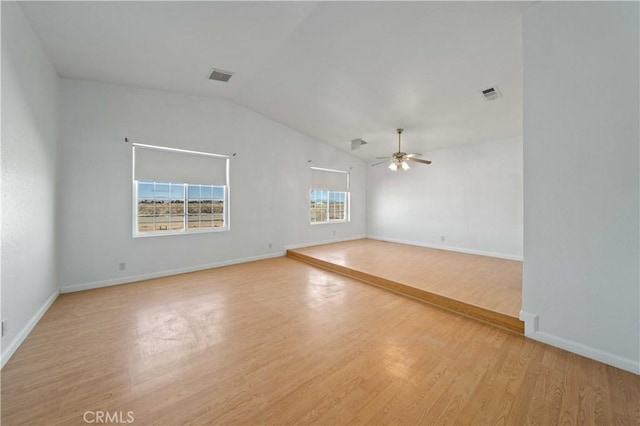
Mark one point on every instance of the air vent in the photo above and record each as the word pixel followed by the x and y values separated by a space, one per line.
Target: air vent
pixel 220 75
pixel 357 143
pixel 491 93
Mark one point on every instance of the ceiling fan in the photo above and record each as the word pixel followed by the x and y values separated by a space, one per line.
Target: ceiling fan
pixel 400 159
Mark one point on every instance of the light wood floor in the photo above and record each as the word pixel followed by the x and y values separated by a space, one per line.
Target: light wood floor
pixel 281 342
pixel 438 276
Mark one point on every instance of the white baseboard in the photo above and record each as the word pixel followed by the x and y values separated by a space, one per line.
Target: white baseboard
pixel 627 364
pixel 124 280
pixel 166 273
pixel 531 331
pixel 530 322
pixel 448 248
pixel 317 243
pixel 8 352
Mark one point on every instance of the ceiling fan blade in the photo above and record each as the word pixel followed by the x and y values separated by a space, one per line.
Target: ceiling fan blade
pixel 380 158
pixel 415 154
pixel 380 162
pixel 419 160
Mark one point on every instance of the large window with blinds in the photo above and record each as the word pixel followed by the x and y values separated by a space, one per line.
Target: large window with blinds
pixel 329 196
pixel 177 191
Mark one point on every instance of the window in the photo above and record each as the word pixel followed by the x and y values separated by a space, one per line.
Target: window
pixel 205 206
pixel 177 191
pixel 160 207
pixel 329 196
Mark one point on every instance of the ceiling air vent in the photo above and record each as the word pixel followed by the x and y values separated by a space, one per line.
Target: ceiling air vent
pixel 491 93
pixel 220 75
pixel 357 143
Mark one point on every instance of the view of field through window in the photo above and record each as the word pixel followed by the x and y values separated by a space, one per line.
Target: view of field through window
pixel 161 206
pixel 328 206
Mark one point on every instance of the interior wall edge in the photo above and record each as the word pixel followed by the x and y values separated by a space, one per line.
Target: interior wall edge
pixel 29 164
pixel 448 248
pixel 530 322
pixel 10 349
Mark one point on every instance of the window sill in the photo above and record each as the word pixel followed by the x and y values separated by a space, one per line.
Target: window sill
pixel 330 222
pixel 187 232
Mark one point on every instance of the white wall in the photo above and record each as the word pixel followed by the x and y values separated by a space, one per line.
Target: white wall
pixel 582 173
pixel 269 183
pixel 471 195
pixel 30 118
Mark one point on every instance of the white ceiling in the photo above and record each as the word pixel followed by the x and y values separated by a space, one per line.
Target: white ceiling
pixel 333 70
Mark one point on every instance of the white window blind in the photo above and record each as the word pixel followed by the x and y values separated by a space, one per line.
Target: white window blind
pixel 330 180
pixel 158 164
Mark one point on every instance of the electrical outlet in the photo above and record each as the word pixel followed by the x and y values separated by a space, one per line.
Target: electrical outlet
pixel 269 245
pixel 442 238
pixel 122 266
pixel 334 233
pixel 4 327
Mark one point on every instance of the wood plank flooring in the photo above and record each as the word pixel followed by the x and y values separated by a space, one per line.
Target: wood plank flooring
pixel 486 288
pixel 281 342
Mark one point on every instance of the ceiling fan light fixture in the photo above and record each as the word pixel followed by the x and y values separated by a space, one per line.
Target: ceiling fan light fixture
pixel 401 159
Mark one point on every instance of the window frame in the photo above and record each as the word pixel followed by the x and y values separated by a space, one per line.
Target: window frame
pixel 347 202
pixel 185 230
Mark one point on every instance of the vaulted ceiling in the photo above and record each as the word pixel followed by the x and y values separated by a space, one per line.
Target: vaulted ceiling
pixel 335 71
